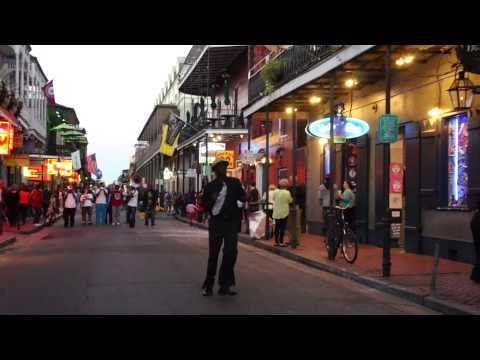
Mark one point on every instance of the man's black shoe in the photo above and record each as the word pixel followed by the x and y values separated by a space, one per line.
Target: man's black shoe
pixel 207 292
pixel 226 291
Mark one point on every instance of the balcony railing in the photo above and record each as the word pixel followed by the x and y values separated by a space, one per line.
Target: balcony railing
pixel 295 60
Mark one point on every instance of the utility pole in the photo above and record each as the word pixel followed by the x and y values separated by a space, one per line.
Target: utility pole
pixel 386 169
pixel 331 146
pixel 294 234
pixel 267 170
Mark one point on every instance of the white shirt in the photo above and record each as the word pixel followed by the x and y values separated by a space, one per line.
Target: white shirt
pixel 101 197
pixel 220 200
pixel 87 199
pixel 270 198
pixel 70 201
pixel 133 202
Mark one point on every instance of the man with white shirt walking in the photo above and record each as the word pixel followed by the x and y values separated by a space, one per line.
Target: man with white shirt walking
pixel 222 198
pixel 101 205
pixel 132 203
pixel 70 206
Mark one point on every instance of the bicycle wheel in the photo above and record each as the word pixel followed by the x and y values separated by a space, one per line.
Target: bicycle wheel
pixel 350 246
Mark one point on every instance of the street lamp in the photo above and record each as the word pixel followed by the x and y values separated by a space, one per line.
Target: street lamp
pixel 462 92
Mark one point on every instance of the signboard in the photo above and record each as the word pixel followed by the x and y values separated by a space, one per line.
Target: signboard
pixel 343 128
pixel 396 224
pixel 213 147
pixel 33 172
pixel 5 137
pixel 396 178
pixel 388 128
pixel 18 160
pixel 76 162
pixel 54 166
pixel 191 173
pixel 247 157
pixel 227 155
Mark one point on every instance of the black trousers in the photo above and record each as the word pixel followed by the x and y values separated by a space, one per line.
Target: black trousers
pixel 226 232
pixel 109 216
pixel 37 214
pixel 69 216
pixel 280 226
pixel 23 209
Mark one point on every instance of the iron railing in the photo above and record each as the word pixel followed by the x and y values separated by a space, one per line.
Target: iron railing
pixel 295 61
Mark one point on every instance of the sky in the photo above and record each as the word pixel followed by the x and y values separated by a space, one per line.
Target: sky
pixel 113 89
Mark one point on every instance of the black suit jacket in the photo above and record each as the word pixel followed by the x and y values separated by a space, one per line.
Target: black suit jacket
pixel 230 210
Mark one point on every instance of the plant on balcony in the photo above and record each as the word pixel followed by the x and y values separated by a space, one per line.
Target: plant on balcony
pixel 271 74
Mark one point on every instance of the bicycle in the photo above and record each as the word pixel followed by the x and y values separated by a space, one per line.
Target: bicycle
pixel 345 238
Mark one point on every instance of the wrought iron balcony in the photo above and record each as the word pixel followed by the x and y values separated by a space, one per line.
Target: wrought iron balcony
pixel 295 61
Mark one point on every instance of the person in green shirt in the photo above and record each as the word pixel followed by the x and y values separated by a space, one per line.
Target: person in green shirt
pixel 282 198
pixel 347 201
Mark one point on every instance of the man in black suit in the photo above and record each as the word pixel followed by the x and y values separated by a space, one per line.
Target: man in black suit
pixel 223 198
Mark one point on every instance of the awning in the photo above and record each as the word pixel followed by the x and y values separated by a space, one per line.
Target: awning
pixel 208 66
pixel 4 113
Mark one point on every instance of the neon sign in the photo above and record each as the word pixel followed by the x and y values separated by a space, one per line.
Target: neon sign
pixel 349 128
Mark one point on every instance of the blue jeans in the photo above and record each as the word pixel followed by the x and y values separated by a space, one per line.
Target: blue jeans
pixel 100 214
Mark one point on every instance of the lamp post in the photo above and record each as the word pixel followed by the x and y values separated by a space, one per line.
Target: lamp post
pixel 267 169
pixel 386 268
pixel 294 234
pixel 332 251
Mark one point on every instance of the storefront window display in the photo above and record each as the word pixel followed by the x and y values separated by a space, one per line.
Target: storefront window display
pixel 457 160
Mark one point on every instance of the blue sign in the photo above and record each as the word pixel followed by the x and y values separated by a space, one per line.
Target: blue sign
pixel 344 128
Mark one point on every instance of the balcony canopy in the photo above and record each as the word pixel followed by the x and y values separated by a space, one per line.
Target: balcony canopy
pixel 208 67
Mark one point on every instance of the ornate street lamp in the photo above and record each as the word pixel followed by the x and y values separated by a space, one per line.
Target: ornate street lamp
pixel 462 92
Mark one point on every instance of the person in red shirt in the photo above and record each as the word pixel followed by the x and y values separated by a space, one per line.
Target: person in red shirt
pixel 37 204
pixel 23 203
pixel 116 205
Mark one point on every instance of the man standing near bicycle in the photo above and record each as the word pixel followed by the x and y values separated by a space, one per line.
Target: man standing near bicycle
pixel 347 201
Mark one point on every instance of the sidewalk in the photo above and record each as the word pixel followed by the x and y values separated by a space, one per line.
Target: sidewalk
pixel 411 273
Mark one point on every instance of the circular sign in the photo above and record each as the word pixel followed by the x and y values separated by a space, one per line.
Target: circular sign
pixel 352 173
pixel 352 161
pixel 352 128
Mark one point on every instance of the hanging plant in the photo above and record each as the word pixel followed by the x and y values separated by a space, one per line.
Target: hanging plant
pixel 271 74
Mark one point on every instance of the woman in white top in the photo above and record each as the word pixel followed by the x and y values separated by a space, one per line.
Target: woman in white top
pixel 86 200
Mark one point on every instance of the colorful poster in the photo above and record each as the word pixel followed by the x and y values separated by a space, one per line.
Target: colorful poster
pixel 5 137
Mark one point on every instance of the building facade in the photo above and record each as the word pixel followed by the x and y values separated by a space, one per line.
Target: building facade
pixel 437 148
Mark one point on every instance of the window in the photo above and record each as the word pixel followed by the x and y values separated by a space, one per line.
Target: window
pixel 282 174
pixel 457 160
pixel 283 127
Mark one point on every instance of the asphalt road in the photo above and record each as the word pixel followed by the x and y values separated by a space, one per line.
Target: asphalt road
pixel 118 270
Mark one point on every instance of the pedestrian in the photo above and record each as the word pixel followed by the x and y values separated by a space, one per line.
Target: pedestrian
pixel 323 196
pixel 347 202
pixel 46 195
pixel 132 203
pixel 109 214
pixel 86 203
pixel 117 202
pixel 149 203
pixel 282 198
pixel 101 198
pixel 253 198
pixel 269 206
pixel 37 204
pixel 24 199
pixel 200 207
pixel 61 200
pixel 221 199
pixel 475 227
pixel 69 207
pixel 168 203
pixel 191 211
pixel 3 194
pixel 12 199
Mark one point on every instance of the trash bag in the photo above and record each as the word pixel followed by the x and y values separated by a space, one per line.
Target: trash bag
pixel 256 223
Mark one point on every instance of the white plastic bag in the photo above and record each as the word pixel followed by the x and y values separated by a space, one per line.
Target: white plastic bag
pixel 257 224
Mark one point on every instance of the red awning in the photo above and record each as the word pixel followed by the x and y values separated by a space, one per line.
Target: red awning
pixel 5 114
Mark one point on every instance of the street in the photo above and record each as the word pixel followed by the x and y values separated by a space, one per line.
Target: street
pixel 118 270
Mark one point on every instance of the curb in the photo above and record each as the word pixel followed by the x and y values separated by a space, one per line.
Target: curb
pixel 443 306
pixel 38 228
pixel 7 242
